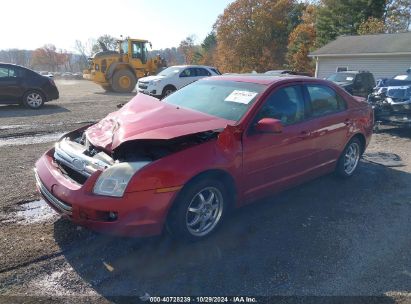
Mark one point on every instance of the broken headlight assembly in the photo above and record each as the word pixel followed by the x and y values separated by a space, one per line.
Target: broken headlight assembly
pixel 114 180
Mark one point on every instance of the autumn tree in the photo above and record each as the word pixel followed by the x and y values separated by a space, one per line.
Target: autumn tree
pixel 191 52
pixel 344 17
pixel 371 26
pixel 48 57
pixel 301 41
pixel 253 35
pixel 398 15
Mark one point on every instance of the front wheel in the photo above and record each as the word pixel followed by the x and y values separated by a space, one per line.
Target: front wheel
pixel 168 90
pixel 349 159
pixel 33 100
pixel 199 210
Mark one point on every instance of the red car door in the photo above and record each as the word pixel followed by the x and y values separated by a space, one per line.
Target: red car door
pixel 330 122
pixel 272 162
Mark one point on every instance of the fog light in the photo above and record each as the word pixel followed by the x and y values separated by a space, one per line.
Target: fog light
pixel 112 215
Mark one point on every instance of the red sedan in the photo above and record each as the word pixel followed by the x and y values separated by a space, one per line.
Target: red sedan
pixel 217 144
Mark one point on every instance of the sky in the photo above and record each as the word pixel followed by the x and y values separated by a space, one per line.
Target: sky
pixel 165 23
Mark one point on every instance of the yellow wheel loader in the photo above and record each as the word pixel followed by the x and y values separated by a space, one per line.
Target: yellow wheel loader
pixel 119 71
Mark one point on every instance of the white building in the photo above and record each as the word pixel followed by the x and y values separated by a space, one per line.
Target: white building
pixel 384 55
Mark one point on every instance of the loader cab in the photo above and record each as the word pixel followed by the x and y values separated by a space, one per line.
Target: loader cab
pixel 135 49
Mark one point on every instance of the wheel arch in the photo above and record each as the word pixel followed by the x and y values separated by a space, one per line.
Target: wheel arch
pixel 34 90
pixel 218 174
pixel 114 67
pixel 169 86
pixel 362 140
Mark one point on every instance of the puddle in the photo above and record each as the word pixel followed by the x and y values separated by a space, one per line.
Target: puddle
pixel 29 140
pixel 30 213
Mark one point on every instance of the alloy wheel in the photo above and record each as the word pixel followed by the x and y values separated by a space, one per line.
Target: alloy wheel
pixel 34 100
pixel 204 211
pixel 351 158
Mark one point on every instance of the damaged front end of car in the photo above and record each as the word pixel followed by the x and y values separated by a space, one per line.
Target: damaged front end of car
pixel 392 105
pixel 78 158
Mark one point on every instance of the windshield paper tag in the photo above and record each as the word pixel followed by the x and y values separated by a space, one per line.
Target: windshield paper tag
pixel 244 97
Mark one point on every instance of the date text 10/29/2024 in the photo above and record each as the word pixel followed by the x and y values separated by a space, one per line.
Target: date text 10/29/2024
pixel 201 299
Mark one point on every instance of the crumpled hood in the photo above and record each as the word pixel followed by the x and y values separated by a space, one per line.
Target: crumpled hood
pixel 145 117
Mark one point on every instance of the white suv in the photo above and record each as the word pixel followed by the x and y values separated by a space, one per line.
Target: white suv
pixel 172 79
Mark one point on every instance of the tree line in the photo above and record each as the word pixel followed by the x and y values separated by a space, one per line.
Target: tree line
pixel 261 35
pixel 250 35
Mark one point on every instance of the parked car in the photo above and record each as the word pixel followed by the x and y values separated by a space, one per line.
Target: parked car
pixel 358 83
pixel 172 79
pixel 185 162
pixel 19 85
pixel 45 73
pixel 391 100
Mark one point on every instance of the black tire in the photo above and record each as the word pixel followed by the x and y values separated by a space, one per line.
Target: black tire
pixel 167 91
pixel 180 217
pixel 33 99
pixel 123 81
pixel 347 165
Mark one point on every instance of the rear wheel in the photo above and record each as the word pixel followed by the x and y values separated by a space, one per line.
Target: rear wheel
pixel 123 81
pixel 349 159
pixel 199 210
pixel 33 100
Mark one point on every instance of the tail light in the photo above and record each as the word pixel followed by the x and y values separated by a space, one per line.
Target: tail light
pixel 52 82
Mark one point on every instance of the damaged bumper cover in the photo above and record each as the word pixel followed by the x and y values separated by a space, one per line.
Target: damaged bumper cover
pixel 140 213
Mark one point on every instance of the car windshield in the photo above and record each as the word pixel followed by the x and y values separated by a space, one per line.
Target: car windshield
pixel 170 71
pixel 342 77
pixel 225 99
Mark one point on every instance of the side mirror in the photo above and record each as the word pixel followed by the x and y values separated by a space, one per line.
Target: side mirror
pixel 269 125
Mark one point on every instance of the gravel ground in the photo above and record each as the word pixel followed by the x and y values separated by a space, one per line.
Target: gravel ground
pixel 327 237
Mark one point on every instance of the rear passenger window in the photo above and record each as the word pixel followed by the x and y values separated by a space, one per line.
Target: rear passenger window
pixel 202 72
pixel 324 100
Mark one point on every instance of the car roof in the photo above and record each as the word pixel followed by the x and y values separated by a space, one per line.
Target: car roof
pixel 259 78
pixel 192 66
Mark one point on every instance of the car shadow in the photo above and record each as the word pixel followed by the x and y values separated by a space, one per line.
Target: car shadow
pixel 328 237
pixel 20 111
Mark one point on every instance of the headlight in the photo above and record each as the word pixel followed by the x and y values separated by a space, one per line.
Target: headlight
pixel 154 82
pixel 114 180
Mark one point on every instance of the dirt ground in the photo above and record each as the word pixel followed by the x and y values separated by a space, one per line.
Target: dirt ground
pixel 328 237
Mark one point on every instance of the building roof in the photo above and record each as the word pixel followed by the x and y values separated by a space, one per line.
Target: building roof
pixel 377 44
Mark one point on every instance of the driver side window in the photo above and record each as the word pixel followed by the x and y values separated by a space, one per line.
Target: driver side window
pixel 285 104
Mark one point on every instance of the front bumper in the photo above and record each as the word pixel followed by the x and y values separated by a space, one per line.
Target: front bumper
pixel 137 213
pixel 148 90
